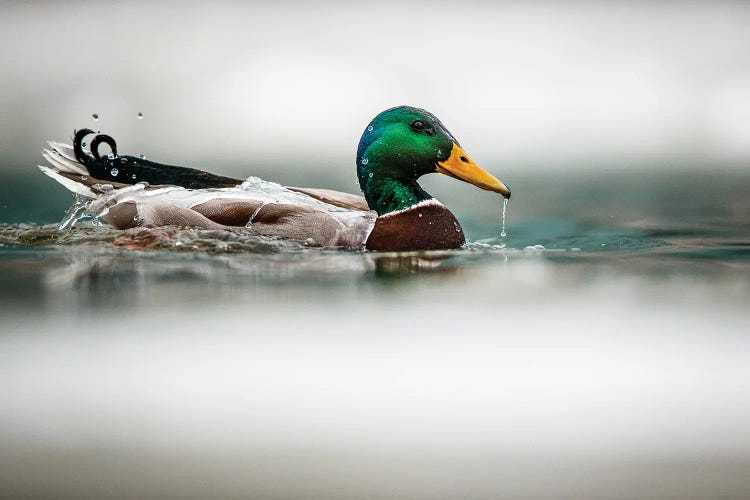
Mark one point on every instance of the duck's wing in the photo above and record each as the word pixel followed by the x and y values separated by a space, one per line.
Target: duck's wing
pixel 337 198
pixel 265 207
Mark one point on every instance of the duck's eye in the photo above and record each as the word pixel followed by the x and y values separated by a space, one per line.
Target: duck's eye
pixel 418 125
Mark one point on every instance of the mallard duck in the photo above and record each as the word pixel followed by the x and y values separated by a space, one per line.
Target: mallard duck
pixel 397 147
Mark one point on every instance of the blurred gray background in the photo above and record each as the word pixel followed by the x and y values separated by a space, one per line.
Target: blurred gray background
pixel 284 90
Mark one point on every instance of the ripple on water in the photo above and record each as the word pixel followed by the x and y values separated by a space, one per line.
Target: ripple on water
pixel 532 240
pixel 143 238
pixel 245 240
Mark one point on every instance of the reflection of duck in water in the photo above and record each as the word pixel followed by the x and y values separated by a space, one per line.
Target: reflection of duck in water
pixel 399 146
pixel 123 279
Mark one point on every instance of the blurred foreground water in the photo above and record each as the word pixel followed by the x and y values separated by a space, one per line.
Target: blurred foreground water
pixel 611 363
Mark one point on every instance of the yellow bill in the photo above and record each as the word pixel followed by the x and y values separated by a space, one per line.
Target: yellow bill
pixel 461 167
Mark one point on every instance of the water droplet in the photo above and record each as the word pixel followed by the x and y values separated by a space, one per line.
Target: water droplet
pixel 140 116
pixel 503 234
pixel 370 174
pixel 133 176
pixel 95 116
pixel 123 160
pixel 420 214
pixel 83 144
pixel 369 129
pixel 439 152
pixel 111 156
pixel 365 161
pixel 142 157
pixel 114 172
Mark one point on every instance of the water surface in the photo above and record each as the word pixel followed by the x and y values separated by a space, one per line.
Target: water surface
pixel 599 350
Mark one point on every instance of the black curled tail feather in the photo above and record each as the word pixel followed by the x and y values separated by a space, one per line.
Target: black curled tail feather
pixel 101 138
pixel 131 170
pixel 78 144
pixel 78 137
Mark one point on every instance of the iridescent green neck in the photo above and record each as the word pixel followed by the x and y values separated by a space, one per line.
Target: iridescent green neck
pixel 386 194
pixel 399 146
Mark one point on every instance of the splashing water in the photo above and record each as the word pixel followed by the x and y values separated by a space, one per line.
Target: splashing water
pixel 503 234
pixel 74 213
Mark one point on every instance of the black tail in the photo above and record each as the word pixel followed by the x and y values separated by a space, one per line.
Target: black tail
pixel 131 169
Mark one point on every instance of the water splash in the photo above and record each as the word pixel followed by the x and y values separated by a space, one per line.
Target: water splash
pixel 74 213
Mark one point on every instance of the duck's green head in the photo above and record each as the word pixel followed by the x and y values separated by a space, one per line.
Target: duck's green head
pixel 402 144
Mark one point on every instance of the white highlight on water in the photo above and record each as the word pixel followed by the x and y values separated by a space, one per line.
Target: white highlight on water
pixel 534 248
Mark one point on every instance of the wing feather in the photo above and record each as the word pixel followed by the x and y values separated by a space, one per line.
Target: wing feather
pixel 336 198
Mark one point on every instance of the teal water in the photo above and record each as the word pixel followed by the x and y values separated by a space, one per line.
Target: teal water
pixel 598 350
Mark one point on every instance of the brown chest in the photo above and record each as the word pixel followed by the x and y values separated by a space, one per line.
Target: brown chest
pixel 423 227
